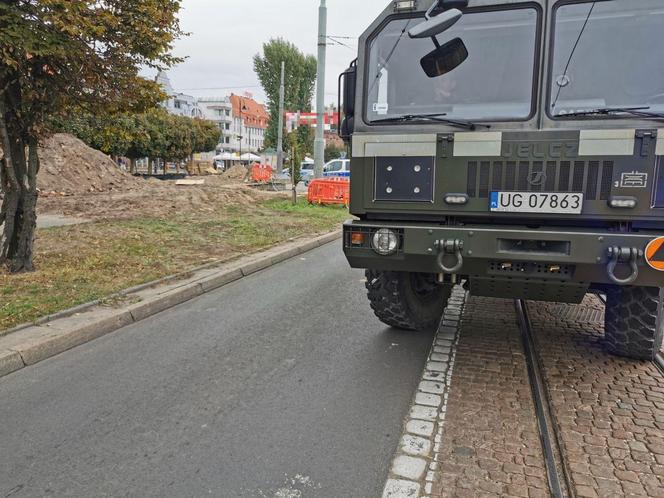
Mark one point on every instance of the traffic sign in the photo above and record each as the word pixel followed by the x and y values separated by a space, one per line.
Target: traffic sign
pixel 655 254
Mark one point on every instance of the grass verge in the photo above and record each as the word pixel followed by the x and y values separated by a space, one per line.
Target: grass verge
pixel 78 264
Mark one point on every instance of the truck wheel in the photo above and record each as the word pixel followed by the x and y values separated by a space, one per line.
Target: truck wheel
pixel 409 301
pixel 634 322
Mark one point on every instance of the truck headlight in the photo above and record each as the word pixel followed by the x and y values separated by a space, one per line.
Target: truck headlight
pixel 385 242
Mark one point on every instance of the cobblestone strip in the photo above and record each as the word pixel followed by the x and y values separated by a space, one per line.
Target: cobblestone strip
pixel 490 445
pixel 416 461
pixel 609 411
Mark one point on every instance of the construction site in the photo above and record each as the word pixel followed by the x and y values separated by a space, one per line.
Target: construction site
pixel 101 229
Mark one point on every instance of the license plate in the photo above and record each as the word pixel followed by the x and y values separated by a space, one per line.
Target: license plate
pixel 536 202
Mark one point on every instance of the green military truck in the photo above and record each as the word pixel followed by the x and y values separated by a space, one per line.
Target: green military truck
pixel 516 146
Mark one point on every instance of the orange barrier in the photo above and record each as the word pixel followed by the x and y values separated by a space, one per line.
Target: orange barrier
pixel 261 173
pixel 329 191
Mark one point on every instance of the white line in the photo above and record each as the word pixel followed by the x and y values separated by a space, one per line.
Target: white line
pixel 415 464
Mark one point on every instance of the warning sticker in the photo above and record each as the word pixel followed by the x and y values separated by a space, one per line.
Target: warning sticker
pixel 655 254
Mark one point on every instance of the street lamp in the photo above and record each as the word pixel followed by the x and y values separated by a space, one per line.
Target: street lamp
pixel 242 108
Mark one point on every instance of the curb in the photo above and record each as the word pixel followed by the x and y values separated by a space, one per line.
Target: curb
pixel 31 343
pixel 415 464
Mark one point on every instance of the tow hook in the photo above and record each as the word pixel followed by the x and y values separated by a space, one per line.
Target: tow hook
pixel 450 247
pixel 624 255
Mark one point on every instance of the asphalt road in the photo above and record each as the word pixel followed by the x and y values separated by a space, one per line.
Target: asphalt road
pixel 279 385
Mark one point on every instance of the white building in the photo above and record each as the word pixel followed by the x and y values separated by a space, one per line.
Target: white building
pixel 179 104
pixel 242 121
pixel 249 124
pixel 220 111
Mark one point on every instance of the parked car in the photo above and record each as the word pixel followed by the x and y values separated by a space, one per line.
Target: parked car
pixel 307 172
pixel 337 167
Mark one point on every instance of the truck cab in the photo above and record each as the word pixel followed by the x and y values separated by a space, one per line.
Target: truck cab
pixel 515 146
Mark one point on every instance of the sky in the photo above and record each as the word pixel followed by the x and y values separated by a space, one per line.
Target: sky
pixel 226 34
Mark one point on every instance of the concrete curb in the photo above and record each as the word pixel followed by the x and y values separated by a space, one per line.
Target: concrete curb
pixel 29 344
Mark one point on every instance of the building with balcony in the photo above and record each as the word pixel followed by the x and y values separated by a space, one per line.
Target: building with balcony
pixel 220 111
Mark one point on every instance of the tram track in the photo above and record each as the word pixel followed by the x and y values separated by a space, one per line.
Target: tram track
pixel 556 471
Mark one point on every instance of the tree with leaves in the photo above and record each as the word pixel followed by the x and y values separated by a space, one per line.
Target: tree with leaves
pixel 305 137
pixel 155 133
pixel 60 54
pixel 300 81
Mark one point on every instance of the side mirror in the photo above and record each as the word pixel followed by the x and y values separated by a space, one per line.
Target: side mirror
pixel 347 84
pixel 444 58
pixel 436 25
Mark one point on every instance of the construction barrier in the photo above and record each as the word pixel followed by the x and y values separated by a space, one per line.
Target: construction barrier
pixel 261 173
pixel 329 191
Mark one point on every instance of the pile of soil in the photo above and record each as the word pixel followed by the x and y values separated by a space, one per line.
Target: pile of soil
pixel 154 198
pixel 236 173
pixel 68 166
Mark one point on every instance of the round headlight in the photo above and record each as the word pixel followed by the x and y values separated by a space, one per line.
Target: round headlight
pixel 385 242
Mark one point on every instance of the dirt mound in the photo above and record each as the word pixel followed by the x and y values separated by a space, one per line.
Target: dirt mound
pixel 236 173
pixel 154 198
pixel 68 166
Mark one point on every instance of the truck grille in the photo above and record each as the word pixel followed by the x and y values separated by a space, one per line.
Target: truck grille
pixel 593 178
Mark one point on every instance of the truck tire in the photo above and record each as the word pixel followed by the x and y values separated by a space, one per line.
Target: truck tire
pixel 408 301
pixel 634 322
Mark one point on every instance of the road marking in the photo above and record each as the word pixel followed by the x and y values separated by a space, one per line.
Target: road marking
pixel 413 469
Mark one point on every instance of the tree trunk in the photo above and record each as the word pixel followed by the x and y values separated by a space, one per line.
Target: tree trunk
pixel 132 165
pixel 18 180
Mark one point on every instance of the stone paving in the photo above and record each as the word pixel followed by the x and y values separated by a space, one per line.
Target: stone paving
pixel 415 464
pixel 609 411
pixel 490 441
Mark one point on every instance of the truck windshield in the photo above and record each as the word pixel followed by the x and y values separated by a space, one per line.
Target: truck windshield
pixel 608 55
pixel 495 83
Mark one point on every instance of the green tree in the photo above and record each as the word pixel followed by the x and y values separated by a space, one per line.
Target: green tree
pixel 300 80
pixel 60 54
pixel 305 137
pixel 155 133
pixel 296 158
pixel 334 152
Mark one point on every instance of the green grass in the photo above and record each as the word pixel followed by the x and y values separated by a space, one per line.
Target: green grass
pixel 77 264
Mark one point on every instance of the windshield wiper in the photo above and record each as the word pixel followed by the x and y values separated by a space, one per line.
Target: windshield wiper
pixel 436 117
pixel 642 112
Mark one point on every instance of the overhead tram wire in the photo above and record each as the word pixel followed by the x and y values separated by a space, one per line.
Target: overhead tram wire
pixel 332 39
pixel 236 87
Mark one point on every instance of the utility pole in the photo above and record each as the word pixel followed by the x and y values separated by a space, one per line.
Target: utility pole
pixel 319 143
pixel 280 140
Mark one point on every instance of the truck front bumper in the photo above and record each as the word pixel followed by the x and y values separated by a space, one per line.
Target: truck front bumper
pixel 579 256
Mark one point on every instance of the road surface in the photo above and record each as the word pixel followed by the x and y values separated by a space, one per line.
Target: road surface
pixel 281 385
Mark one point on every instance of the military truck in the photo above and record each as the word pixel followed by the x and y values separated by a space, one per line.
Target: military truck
pixel 513 145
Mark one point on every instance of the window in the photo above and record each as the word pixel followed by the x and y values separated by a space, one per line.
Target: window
pixel 334 166
pixel 618 60
pixel 495 82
